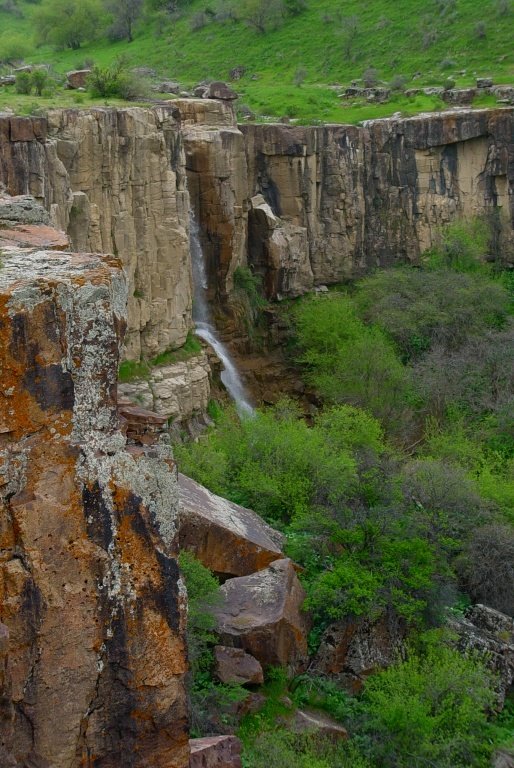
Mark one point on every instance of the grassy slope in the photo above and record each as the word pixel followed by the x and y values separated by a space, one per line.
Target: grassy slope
pixel 389 38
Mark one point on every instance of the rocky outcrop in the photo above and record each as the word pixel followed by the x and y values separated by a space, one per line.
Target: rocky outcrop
pixel 354 648
pixel 92 654
pixel 490 634
pixel 261 614
pixel 177 391
pixel 228 539
pixel 216 752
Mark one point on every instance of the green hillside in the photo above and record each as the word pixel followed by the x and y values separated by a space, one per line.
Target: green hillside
pixel 290 66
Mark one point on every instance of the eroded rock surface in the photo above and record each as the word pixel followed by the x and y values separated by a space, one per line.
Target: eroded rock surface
pixel 228 539
pixel 261 613
pixel 93 659
pixel 491 634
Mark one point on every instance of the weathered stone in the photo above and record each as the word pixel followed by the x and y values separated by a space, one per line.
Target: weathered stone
pixel 77 78
pixel 228 539
pixel 215 752
pixel 484 82
pixel 178 391
pixel 89 585
pixel 354 648
pixel 309 721
pixel 34 236
pixel 491 633
pixel 22 209
pixel 233 665
pixel 261 613
pixel 236 73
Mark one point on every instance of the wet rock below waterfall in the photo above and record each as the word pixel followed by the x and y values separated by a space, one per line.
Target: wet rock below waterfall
pixel 228 539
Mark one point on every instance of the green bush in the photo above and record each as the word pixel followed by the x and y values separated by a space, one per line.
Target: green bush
pixel 23 83
pixel 430 710
pixel 116 80
pixel 349 362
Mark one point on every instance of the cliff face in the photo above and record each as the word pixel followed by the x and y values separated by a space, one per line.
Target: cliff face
pixel 374 195
pixel 92 653
pixel 302 205
pixel 115 181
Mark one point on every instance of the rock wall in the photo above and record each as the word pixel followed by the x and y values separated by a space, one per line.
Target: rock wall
pixel 92 654
pixel 302 205
pixel 374 195
pixel 114 180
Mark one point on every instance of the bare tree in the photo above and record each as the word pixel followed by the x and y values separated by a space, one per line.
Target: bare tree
pixel 487 567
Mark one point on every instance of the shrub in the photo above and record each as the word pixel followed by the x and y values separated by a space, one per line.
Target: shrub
pixel 14 48
pixel 68 23
pixel 23 83
pixel 480 30
pixel 430 710
pixel 421 309
pixel 349 362
pixel 40 80
pixel 398 83
pixel 199 21
pixel 486 567
pixel 262 15
pixel 116 80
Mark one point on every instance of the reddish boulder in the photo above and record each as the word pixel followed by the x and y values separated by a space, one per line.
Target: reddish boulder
pixel 228 539
pixel 261 613
pixel 233 665
pixel 215 752
pixel 77 78
pixel 34 236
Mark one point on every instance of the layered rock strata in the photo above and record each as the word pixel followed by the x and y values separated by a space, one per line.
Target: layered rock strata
pixel 92 653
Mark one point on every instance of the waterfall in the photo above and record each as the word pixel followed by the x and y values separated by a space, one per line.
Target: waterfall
pixel 205 327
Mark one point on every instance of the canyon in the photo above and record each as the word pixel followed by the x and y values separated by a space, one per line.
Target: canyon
pixel 302 206
pixel 95 263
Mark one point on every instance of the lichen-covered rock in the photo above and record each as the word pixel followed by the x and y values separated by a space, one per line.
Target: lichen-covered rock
pixel 233 665
pixel 261 613
pixel 215 752
pixel 354 648
pixel 89 585
pixel 491 634
pixel 228 539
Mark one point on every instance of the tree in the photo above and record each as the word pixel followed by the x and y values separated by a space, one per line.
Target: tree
pixel 125 14
pixel 487 567
pixel 68 23
pixel 262 15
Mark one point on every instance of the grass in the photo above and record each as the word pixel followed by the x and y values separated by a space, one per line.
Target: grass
pixel 424 41
pixel 142 369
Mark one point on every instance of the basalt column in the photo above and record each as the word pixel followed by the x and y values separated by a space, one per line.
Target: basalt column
pixel 92 652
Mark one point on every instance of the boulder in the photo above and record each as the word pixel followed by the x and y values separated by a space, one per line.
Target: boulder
pixel 215 752
pixel 354 648
pixel 484 82
pixel 308 721
pixel 261 613
pixel 220 90
pixel 77 78
pixel 228 539
pixel 491 634
pixel 236 73
pixel 22 209
pixel 233 665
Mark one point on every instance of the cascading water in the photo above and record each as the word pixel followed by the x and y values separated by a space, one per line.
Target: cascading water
pixel 205 328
